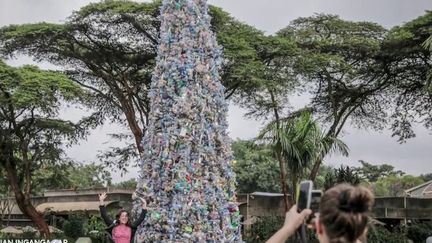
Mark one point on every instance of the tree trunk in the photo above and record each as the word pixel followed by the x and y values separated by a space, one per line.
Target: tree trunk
pixel 23 201
pixel 294 188
pixel 333 131
pixel 315 169
pixel 133 124
pixel 283 180
pixel 279 155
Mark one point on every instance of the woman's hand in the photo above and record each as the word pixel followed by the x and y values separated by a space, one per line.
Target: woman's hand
pixel 102 197
pixel 293 220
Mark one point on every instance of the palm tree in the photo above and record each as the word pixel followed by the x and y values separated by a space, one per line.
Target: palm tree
pixel 344 174
pixel 428 43
pixel 298 141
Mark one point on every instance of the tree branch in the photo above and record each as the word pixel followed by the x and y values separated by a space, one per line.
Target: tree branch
pixel 105 96
pixel 139 27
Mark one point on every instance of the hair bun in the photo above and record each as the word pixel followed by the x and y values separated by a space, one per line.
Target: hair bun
pixel 359 200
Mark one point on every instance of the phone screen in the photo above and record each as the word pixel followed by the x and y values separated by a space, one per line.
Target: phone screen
pixel 315 200
pixel 304 199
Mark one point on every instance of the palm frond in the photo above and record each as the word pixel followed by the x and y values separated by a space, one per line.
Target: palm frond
pixel 300 141
pixel 427 44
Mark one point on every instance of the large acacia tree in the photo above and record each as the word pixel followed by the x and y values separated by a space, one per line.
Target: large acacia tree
pixel 109 48
pixel 410 65
pixel 359 72
pixel 31 134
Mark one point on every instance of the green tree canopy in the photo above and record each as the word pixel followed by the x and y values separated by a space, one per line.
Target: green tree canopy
pixel 338 66
pixel 409 65
pixel 70 175
pixel 31 134
pixel 256 167
pixel 372 173
pixel 359 72
pixel 128 184
pixel 395 186
pixel 426 177
pixel 109 49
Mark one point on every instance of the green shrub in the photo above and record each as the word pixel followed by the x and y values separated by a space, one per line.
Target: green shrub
pixel 3 235
pixel 419 232
pixel 378 234
pixel 73 227
pixel 29 234
pixel 265 227
pixel 95 229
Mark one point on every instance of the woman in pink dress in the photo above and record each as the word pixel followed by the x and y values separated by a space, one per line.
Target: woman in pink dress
pixel 120 230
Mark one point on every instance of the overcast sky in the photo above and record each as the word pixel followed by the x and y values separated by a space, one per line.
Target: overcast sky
pixel 413 157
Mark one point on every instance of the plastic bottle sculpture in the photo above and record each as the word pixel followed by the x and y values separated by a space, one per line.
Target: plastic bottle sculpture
pixel 186 169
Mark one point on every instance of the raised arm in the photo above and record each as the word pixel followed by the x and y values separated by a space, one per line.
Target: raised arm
pixel 141 218
pixel 108 221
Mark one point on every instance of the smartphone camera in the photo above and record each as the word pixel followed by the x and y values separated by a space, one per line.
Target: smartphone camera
pixel 315 200
pixel 305 195
pixel 309 198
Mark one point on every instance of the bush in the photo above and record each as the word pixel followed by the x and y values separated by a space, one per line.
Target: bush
pixel 378 234
pixel 29 234
pixel 419 232
pixel 61 235
pixel 265 227
pixel 95 229
pixel 73 227
pixel 3 235
pixel 34 234
pixel 344 174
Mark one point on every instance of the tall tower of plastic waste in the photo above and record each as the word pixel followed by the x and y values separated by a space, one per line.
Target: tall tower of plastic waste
pixel 186 169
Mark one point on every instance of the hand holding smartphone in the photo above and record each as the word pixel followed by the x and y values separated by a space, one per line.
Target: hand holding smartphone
pixel 309 198
pixel 305 195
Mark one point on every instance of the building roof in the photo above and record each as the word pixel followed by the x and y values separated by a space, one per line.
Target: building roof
pixel 267 194
pixel 87 191
pixel 62 207
pixel 427 188
pixel 21 230
pixel 15 210
pixel 11 230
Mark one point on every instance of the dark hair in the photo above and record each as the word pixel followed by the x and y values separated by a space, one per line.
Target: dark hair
pixel 344 211
pixel 120 212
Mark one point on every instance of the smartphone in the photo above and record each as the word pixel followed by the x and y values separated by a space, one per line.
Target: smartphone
pixel 315 200
pixel 314 204
pixel 305 195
